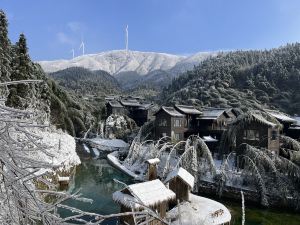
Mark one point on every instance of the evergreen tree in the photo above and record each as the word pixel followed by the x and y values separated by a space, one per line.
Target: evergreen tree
pixel 5 53
pixel 22 95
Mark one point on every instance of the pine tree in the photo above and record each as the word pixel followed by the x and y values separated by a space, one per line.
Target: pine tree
pixel 21 95
pixel 5 52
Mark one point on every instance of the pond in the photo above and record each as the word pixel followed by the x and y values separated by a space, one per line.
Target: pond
pixel 94 177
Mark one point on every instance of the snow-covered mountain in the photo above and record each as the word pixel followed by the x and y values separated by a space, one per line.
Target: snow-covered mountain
pixel 120 61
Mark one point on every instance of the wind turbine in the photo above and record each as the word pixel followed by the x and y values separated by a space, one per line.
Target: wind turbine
pixel 126 37
pixel 73 52
pixel 82 47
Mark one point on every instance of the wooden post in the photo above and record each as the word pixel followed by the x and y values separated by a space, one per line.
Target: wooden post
pixel 152 169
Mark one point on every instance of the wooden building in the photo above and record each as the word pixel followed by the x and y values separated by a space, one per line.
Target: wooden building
pixel 153 194
pixel 136 110
pixel 169 122
pixel 294 130
pixel 152 168
pixel 181 182
pixel 191 115
pixel 284 119
pixel 114 107
pixel 214 121
pixel 255 130
pixel 63 182
pixel 130 107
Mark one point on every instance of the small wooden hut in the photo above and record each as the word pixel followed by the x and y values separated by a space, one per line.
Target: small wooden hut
pixel 63 182
pixel 181 182
pixel 152 168
pixel 153 194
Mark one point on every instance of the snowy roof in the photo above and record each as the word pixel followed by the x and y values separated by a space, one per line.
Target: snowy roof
pixel 130 102
pixel 281 116
pixel 115 104
pixel 171 111
pixel 149 193
pixel 63 179
pixel 212 113
pixel 263 120
pixel 183 174
pixel 145 105
pixel 125 199
pixel 187 109
pixel 209 139
pixel 249 117
pixel 297 120
pixel 153 161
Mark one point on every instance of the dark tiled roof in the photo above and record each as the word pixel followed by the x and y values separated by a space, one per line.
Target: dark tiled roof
pixel 130 102
pixel 171 111
pixel 187 109
pixel 115 104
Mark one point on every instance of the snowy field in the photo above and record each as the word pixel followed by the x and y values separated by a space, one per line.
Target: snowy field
pixel 61 145
pixel 200 211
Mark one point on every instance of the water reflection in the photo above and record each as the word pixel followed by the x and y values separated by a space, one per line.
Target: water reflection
pixel 95 180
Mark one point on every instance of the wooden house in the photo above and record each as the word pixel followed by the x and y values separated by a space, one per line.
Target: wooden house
pixel 153 194
pixel 181 182
pixel 214 121
pixel 255 130
pixel 130 107
pixel 114 107
pixel 152 168
pixel 284 119
pixel 136 110
pixel 63 182
pixel 294 130
pixel 211 143
pixel 169 122
pixel 191 115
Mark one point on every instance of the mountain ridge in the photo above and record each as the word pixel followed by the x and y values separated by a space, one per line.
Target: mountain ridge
pixel 118 61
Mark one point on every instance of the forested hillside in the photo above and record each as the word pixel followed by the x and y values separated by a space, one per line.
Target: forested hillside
pixel 86 82
pixel 245 79
pixel 46 98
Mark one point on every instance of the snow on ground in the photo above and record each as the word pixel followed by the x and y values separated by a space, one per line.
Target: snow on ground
pixel 200 211
pixel 86 148
pixel 61 145
pixel 112 158
pixel 108 144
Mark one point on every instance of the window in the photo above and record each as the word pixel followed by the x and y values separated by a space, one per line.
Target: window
pixel 177 136
pixel 274 135
pixel 177 123
pixel 251 135
pixel 162 123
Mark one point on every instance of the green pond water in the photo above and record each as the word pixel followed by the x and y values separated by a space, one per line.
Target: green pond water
pixel 95 179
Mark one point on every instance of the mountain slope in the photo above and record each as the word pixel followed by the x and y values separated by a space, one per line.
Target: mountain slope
pixel 85 82
pixel 115 62
pixel 245 79
pixel 133 69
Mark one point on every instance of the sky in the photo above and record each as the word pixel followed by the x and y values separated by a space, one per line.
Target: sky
pixel 54 27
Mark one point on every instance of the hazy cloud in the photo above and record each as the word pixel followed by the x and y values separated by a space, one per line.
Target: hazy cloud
pixel 64 38
pixel 76 26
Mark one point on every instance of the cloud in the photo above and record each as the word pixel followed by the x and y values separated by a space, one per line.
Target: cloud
pixel 64 38
pixel 76 26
